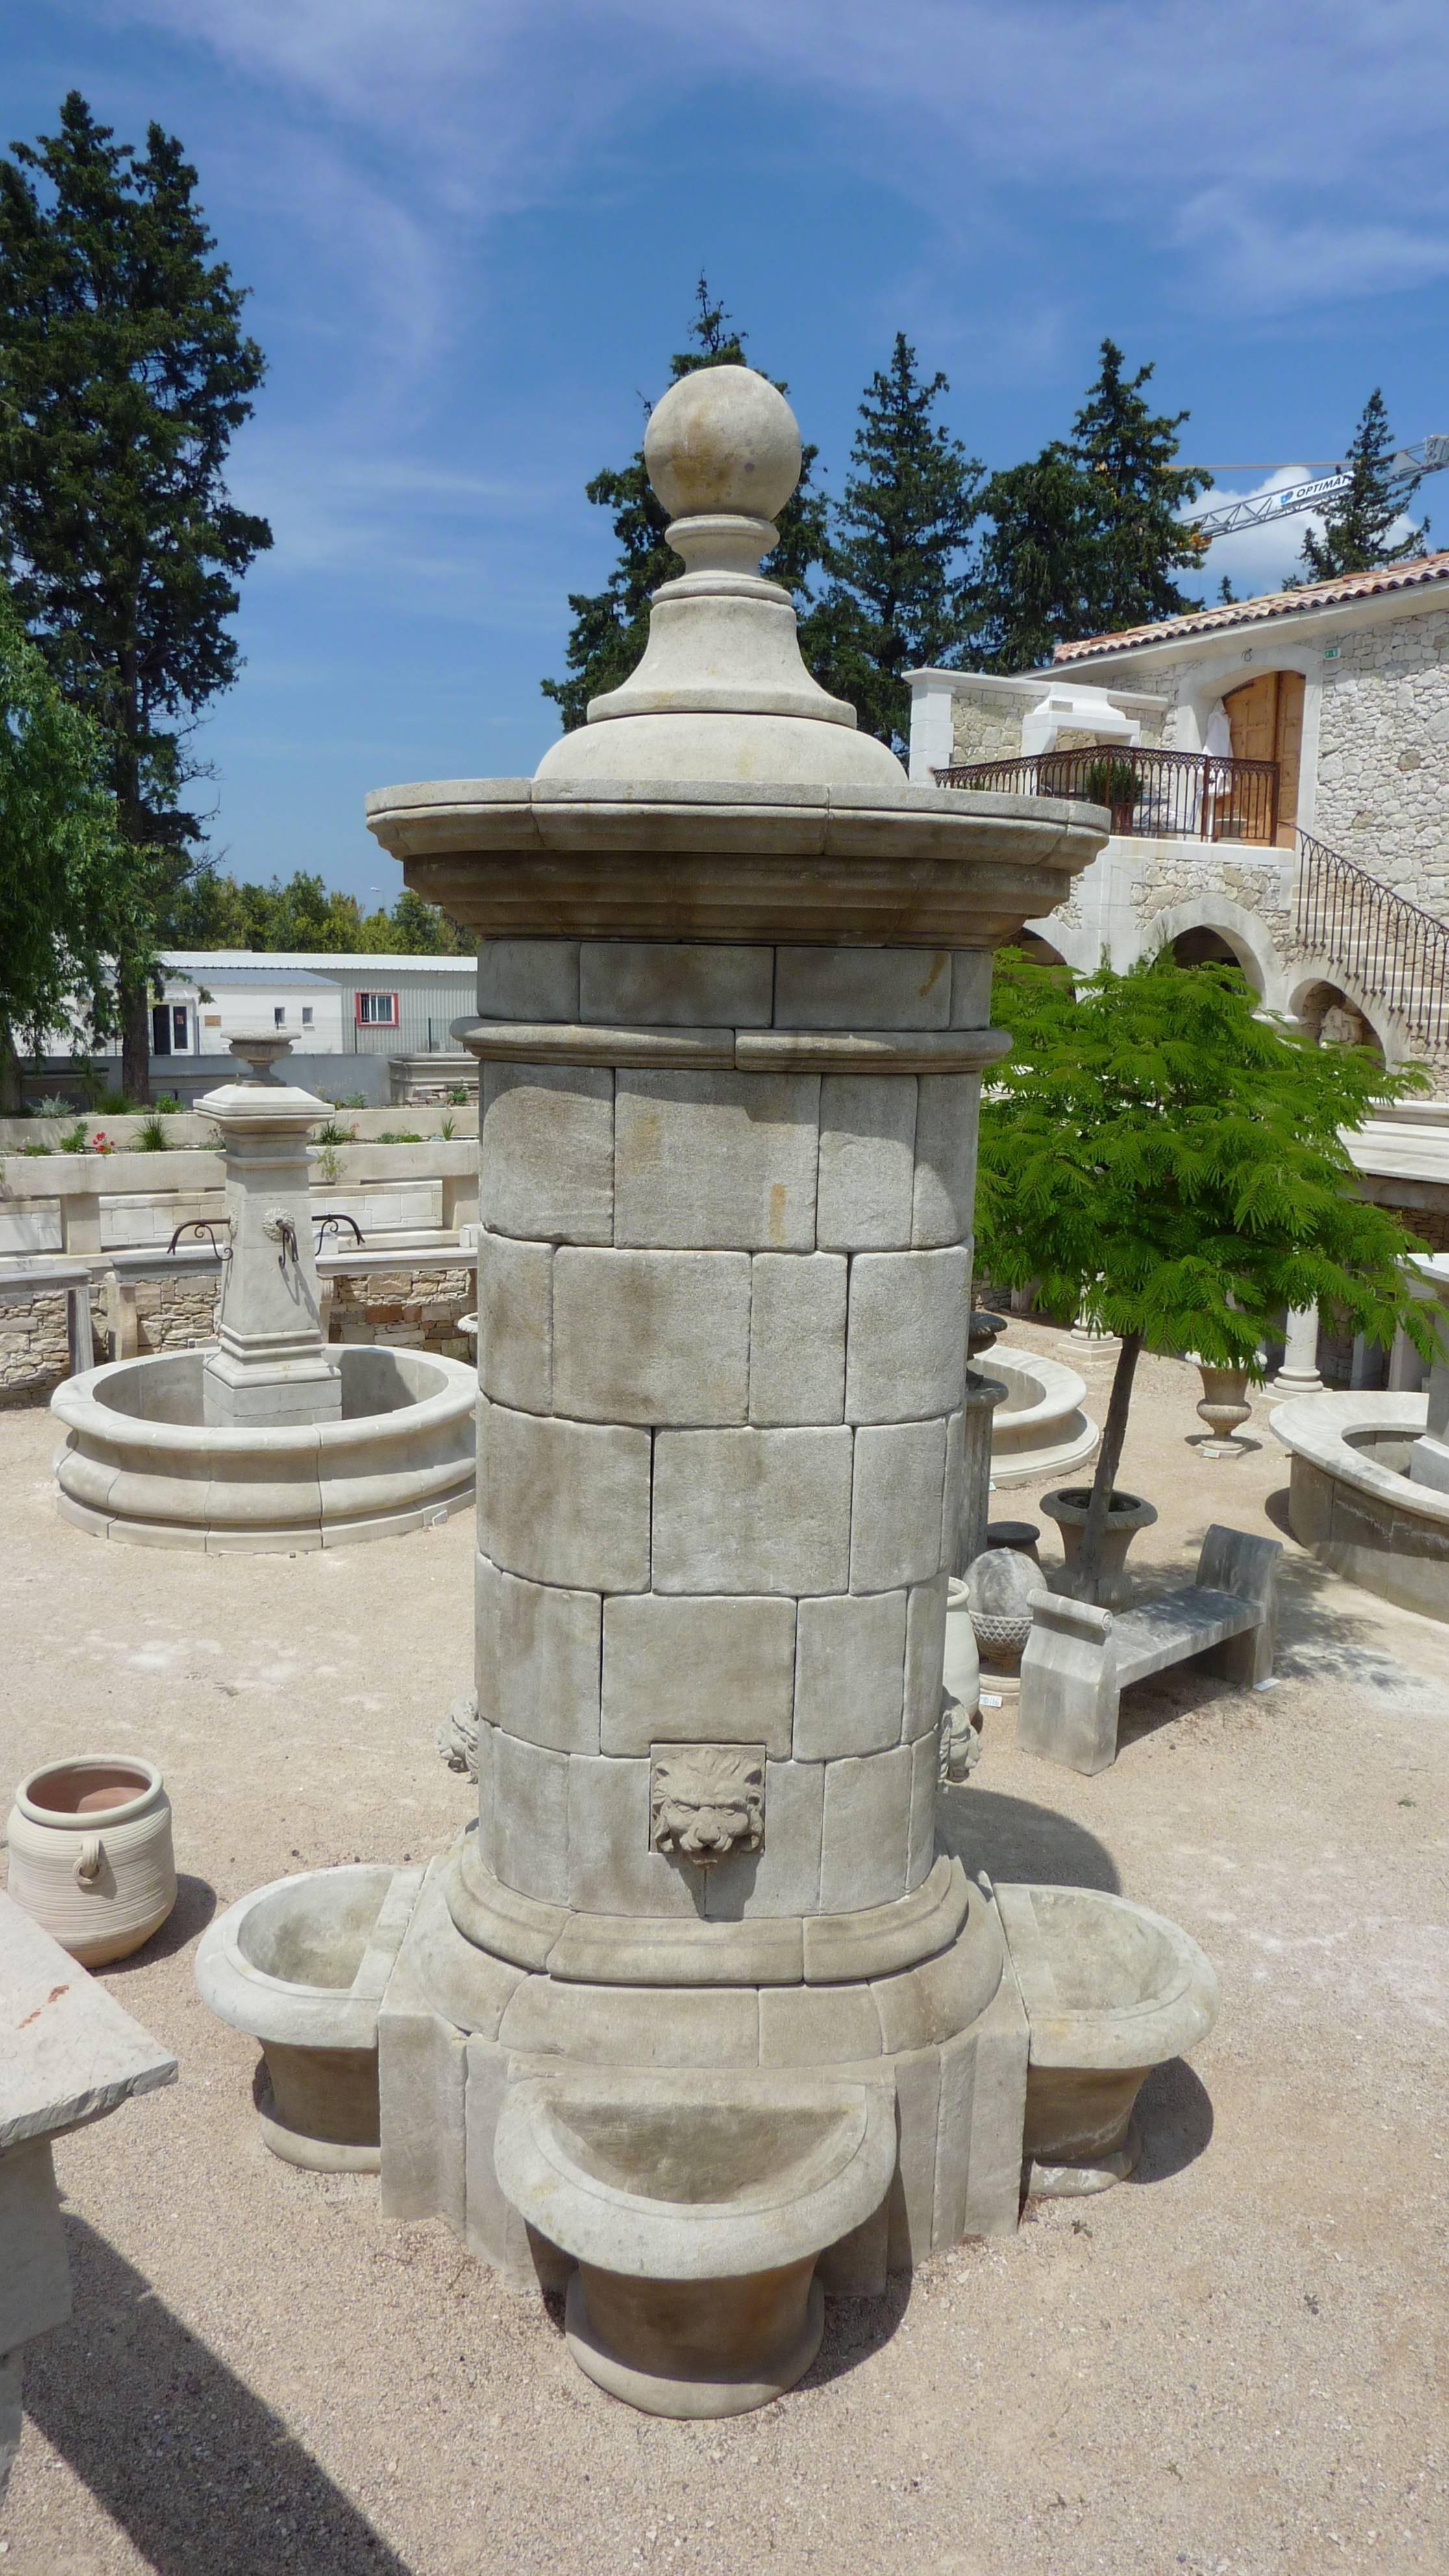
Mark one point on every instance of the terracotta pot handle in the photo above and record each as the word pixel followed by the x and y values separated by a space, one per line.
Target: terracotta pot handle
pixel 89 1860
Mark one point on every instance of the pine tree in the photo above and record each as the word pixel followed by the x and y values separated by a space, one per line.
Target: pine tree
pixel 1138 487
pixel 124 373
pixel 1170 1166
pixel 1032 578
pixel 611 626
pixel 1084 539
pixel 900 595
pixel 1356 526
pixel 65 883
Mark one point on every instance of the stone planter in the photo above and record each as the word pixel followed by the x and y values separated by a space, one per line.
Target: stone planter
pixel 696 2208
pixel 1224 1408
pixel 1126 1515
pixel 90 1854
pixel 1111 1991
pixel 301 1965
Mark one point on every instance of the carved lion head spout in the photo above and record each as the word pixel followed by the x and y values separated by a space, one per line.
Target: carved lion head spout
pixel 707 1800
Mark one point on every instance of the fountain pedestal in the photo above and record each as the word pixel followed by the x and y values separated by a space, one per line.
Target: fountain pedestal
pixel 271 1363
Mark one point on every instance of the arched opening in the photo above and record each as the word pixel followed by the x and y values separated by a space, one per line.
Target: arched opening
pixel 1039 950
pixel 1264 720
pixel 1332 1018
pixel 1205 947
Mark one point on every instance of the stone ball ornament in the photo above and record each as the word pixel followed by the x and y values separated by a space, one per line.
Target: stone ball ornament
pixel 723 439
pixel 999 1586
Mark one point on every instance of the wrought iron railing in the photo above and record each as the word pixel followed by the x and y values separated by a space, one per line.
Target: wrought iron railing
pixel 1151 795
pixel 1396 953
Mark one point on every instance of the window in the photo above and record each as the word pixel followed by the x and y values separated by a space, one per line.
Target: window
pixel 377 1010
pixel 279 1015
pixel 306 1015
pixel 168 1029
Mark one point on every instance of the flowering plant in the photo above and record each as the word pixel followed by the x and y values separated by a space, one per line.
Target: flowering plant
pixel 101 1143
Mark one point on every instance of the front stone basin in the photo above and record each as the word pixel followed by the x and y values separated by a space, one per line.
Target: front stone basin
pixel 141 1465
pixel 696 2207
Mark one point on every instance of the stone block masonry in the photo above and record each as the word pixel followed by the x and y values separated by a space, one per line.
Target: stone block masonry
pixel 722 1354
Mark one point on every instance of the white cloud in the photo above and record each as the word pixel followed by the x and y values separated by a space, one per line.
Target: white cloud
pixel 1265 557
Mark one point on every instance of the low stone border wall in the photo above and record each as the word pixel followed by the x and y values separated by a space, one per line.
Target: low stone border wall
pixel 33 1348
pixel 416 1309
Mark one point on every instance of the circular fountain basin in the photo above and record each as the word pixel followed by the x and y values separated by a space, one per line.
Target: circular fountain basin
pixel 1041 1428
pixel 1350 1500
pixel 139 1463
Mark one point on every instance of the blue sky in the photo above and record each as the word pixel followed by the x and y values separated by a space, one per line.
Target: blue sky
pixel 472 228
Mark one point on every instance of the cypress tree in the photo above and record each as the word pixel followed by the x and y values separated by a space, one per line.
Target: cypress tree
pixel 1032 583
pixel 1356 526
pixel 1137 541
pixel 611 626
pixel 900 595
pixel 124 373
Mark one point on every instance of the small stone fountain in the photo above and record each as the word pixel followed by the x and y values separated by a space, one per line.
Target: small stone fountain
pixel 699 2021
pixel 1369 1487
pixel 268 1439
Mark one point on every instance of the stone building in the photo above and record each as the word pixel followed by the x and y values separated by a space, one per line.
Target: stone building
pixel 1288 806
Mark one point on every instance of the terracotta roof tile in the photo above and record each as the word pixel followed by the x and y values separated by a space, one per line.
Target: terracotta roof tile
pixel 1252 612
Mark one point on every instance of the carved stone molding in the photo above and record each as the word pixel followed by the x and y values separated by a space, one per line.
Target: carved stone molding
pixel 706 1800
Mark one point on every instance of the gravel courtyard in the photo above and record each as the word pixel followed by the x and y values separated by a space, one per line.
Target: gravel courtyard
pixel 1230 2363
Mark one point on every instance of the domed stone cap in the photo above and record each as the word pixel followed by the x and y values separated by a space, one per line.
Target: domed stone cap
pixel 723 439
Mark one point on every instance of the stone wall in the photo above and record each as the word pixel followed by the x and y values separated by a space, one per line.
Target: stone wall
pixel 985 726
pixel 413 1309
pixel 33 1349
pixel 1383 756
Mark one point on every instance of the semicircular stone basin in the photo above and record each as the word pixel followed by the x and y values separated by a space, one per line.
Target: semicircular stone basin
pixel 140 1463
pixel 1041 1428
pixel 1111 1990
pixel 696 2208
pixel 301 1965
pixel 1352 1501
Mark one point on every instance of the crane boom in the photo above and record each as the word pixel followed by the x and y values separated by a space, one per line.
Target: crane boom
pixel 1405 468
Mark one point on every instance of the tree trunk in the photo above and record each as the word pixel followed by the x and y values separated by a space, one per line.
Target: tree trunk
pixel 1089 1563
pixel 136 1040
pixel 12 1102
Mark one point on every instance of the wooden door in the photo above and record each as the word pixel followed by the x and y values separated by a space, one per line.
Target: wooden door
pixel 1265 719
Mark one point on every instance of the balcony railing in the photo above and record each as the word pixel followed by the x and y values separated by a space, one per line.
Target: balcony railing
pixel 1151 795
pixel 1395 952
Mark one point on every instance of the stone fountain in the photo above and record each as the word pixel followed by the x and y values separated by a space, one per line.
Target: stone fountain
pixel 698 2019
pixel 1369 1487
pixel 268 1439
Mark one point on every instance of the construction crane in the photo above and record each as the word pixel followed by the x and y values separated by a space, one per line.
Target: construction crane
pixel 1404 470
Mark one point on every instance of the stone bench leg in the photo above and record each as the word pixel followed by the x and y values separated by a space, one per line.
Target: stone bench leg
pixel 1234 1561
pixel 1067 1712
pixel 79 1334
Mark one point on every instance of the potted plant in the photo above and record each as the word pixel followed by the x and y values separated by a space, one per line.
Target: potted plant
pixel 1115 784
pixel 1171 1166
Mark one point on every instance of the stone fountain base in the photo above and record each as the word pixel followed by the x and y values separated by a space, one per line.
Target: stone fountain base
pixel 141 1465
pixel 1352 1502
pixel 918 1995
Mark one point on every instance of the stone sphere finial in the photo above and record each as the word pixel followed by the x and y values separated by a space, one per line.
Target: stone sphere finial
pixel 723 439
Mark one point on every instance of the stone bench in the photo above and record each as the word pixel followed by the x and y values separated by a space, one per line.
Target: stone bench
pixel 1079 1660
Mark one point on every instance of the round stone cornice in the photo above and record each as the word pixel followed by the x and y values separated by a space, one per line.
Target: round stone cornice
pixel 921 867
pixel 723 1050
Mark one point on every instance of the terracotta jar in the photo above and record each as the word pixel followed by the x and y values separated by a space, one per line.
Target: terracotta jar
pixel 90 1854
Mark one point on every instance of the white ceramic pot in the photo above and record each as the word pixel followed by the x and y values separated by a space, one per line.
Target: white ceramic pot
pixel 90 1854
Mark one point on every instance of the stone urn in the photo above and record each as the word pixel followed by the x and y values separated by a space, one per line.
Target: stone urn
pixel 90 1854
pixel 1224 1408
pixel 998 1590
pixel 1126 1515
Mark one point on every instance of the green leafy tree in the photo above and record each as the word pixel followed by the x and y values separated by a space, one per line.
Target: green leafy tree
pixel 124 374
pixel 611 626
pixel 211 910
pixel 1085 538
pixel 1356 526
pixel 900 595
pixel 1170 1166
pixel 66 885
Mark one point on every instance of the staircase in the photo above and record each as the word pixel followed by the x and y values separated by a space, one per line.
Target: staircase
pixel 1378 948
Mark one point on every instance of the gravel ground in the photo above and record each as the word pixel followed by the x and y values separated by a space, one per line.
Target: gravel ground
pixel 1228 2364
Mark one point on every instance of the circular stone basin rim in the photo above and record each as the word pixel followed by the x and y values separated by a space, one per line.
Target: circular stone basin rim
pixel 300 2011
pixel 80 1403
